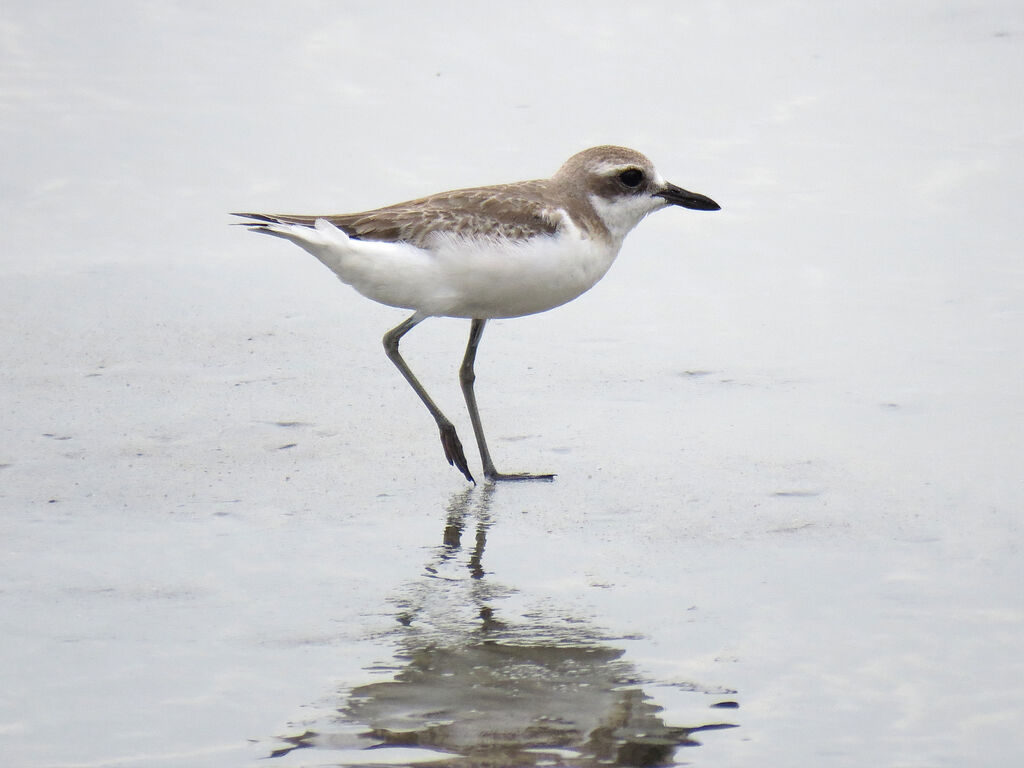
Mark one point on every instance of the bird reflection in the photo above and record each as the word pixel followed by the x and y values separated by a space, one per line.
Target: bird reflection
pixel 471 688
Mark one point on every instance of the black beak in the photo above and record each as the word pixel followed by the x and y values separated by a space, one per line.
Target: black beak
pixel 679 196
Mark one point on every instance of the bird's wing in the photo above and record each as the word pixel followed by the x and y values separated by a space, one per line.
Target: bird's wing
pixel 513 211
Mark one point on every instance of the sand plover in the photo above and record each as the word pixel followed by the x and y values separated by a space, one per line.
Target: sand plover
pixel 487 252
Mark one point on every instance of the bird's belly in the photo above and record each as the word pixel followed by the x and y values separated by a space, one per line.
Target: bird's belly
pixel 484 279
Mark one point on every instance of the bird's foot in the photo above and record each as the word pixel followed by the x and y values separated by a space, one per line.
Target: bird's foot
pixel 453 450
pixel 494 476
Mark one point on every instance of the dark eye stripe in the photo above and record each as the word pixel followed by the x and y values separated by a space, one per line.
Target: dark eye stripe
pixel 631 177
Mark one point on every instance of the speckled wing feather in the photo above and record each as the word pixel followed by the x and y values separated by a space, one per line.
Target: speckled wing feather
pixel 510 210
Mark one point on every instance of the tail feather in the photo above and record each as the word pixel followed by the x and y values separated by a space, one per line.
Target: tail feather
pixel 268 229
pixel 273 218
pixel 314 235
pixel 301 230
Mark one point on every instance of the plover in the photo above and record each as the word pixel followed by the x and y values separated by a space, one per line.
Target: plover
pixel 487 252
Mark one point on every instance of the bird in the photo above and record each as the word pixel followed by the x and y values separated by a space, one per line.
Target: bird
pixel 482 253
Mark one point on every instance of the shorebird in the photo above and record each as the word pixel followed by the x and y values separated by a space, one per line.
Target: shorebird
pixel 500 251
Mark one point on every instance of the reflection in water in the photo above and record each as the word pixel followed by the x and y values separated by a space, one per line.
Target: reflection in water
pixel 472 689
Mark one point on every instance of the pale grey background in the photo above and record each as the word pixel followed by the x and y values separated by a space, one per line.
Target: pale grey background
pixel 788 435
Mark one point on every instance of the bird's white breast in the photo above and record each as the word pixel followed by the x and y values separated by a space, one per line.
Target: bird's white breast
pixel 467 276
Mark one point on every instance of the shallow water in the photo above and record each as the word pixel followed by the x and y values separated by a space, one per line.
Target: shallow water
pixel 787 434
pixel 471 682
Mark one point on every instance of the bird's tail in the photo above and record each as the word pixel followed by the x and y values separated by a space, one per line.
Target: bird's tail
pixel 286 226
pixel 311 233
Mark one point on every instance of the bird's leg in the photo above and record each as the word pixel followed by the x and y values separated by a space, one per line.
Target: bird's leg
pixel 466 378
pixel 449 439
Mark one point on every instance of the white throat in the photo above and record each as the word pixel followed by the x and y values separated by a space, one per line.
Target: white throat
pixel 622 214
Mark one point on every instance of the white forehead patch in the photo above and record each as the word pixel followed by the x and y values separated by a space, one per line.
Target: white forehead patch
pixel 610 167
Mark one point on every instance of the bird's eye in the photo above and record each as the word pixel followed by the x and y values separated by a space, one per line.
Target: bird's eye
pixel 631 177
